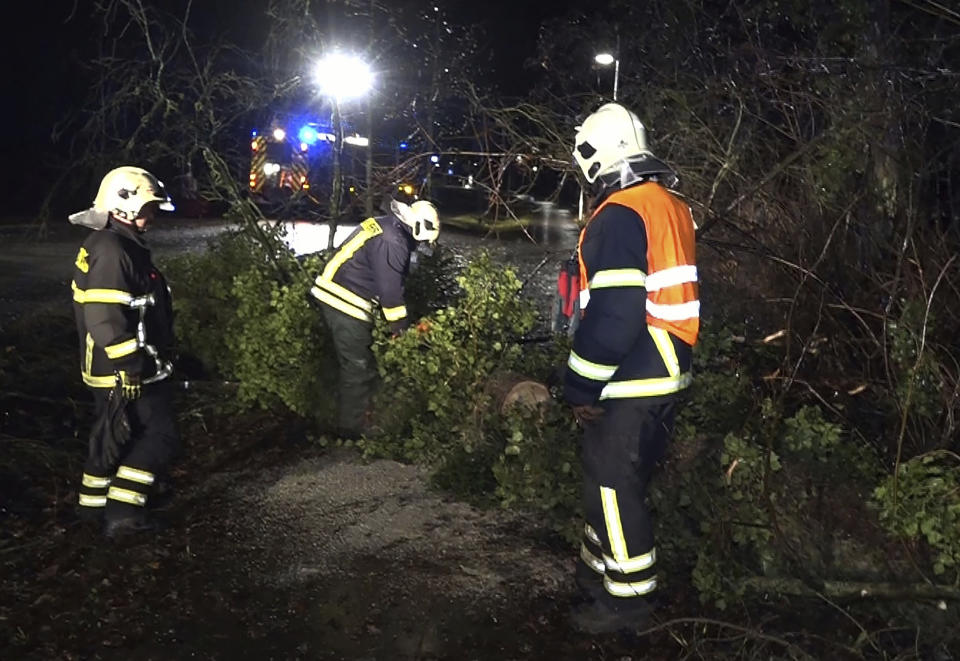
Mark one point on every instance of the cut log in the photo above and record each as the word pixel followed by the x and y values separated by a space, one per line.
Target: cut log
pixel 509 389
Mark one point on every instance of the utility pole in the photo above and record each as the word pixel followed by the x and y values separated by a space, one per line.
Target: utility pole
pixel 368 189
pixel 337 187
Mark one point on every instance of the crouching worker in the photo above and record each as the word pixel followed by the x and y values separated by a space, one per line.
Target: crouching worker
pixel 125 325
pixel 369 270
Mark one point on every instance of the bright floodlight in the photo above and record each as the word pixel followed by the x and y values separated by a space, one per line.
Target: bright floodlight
pixel 343 76
pixel 604 59
pixel 279 134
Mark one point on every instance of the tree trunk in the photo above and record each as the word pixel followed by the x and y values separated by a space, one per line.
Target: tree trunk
pixel 509 389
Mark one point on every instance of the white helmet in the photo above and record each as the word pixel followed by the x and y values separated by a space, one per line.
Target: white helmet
pixel 608 138
pixel 123 192
pixel 421 217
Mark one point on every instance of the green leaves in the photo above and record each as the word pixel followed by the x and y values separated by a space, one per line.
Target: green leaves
pixel 923 503
pixel 437 408
pixel 243 310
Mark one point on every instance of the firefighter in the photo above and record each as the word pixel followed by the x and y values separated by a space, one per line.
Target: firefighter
pixel 368 271
pixel 630 360
pixel 125 323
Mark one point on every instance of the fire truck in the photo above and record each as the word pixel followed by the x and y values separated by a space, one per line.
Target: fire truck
pixel 288 161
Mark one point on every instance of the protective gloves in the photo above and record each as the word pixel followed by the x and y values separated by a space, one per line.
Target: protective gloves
pixel 587 413
pixel 130 385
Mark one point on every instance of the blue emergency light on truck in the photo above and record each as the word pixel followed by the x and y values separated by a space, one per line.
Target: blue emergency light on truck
pixel 287 159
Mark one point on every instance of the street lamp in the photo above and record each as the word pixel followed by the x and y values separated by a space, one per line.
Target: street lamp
pixel 605 60
pixel 341 77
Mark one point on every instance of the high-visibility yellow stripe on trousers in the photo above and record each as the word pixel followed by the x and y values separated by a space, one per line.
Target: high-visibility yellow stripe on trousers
pixel 131 486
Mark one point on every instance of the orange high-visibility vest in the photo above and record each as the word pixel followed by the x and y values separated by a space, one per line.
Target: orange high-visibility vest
pixel 673 299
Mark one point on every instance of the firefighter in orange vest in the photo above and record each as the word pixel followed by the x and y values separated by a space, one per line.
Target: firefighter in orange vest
pixel 630 360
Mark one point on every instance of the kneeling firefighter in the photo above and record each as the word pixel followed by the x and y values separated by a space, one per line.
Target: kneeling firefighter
pixel 125 323
pixel 630 360
pixel 369 270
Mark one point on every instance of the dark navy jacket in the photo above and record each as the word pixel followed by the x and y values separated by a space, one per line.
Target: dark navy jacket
pixel 369 269
pixel 113 274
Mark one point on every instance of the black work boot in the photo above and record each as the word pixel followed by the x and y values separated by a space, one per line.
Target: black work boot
pixel 161 494
pixel 598 617
pixel 90 519
pixel 589 584
pixel 129 526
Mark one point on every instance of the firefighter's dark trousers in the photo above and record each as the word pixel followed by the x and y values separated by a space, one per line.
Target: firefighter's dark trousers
pixel 352 339
pixel 124 490
pixel 619 452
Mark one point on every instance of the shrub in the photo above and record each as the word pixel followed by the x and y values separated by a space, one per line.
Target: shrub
pixel 434 403
pixel 243 310
pixel 923 503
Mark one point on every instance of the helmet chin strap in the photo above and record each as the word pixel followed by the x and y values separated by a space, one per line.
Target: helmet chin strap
pixel 129 223
pixel 637 169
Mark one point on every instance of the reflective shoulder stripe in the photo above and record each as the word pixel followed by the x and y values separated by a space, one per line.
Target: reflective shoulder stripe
pixel 395 314
pixel 340 304
pixel 100 295
pixel 368 229
pixel 371 227
pixel 646 387
pixel 639 588
pixel 122 349
pixel 675 311
pixel 135 475
pixel 675 275
pixel 667 351
pixel 618 278
pixel 589 370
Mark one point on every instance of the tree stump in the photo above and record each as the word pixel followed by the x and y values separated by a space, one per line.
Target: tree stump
pixel 509 389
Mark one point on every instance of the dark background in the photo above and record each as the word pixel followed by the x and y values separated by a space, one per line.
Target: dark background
pixel 49 44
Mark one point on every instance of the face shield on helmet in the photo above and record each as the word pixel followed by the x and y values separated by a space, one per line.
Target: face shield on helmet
pixel 421 217
pixel 608 138
pixel 123 193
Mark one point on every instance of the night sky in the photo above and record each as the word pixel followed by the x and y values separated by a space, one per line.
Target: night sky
pixel 48 42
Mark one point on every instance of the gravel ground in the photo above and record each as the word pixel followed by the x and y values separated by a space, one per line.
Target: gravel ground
pixel 300 522
pixel 352 560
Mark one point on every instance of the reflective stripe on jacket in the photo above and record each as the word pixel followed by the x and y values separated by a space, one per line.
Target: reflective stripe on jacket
pixel 639 296
pixel 122 307
pixel 369 269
